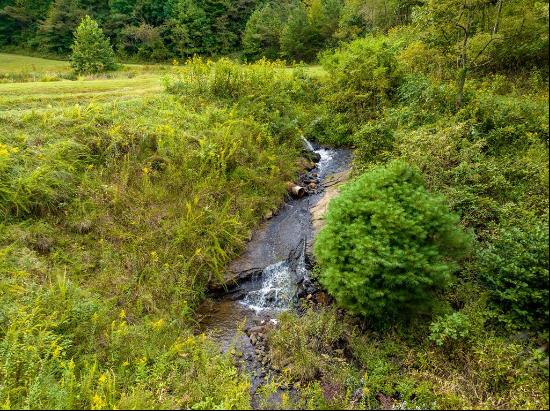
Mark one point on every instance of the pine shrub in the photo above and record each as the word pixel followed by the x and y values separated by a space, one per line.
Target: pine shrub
pixel 388 244
pixel 92 52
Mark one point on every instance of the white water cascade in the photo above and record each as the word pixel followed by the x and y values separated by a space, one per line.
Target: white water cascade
pixel 278 287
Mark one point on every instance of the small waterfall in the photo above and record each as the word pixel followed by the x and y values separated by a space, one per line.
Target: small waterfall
pixel 307 144
pixel 279 285
pixel 326 155
pixel 326 158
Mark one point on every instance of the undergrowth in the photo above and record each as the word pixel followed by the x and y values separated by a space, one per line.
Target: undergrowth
pixel 114 219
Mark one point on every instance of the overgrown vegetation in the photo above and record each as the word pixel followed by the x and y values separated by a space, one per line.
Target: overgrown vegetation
pixel 478 134
pixel 114 218
pixel 336 364
pixel 119 202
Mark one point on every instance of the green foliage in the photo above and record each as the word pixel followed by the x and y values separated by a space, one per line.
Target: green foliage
pixel 297 37
pixel 310 352
pixel 362 77
pixel 115 216
pixel 455 326
pixel 282 100
pixel 352 368
pixel 46 187
pixel 384 249
pixel 263 31
pixel 499 35
pixel 65 348
pixel 56 31
pixel 300 346
pixel 514 267
pixel 375 140
pixel 143 42
pixel 91 50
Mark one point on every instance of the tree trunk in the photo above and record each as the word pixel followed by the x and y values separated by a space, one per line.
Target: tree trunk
pixel 460 86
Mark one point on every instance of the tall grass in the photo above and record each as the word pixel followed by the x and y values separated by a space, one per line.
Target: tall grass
pixel 114 218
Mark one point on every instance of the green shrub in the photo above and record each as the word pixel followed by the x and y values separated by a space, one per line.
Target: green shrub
pixel 388 243
pixel 92 52
pixel 362 77
pixel 508 123
pixel 455 326
pixel 375 141
pixel 514 267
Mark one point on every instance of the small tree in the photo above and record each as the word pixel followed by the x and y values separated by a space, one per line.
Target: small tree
pixel 92 52
pixel 388 244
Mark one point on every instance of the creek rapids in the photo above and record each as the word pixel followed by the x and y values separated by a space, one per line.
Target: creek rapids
pixel 272 273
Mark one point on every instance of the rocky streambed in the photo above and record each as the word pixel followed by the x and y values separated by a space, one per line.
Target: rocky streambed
pixel 273 272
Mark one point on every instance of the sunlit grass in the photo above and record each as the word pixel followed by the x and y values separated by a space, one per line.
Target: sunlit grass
pixel 10 63
pixel 48 95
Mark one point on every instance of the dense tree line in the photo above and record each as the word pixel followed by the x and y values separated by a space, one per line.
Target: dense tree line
pixel 480 33
pixel 145 29
pixel 161 30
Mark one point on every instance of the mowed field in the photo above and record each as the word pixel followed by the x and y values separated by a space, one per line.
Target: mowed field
pixel 42 86
pixel 31 83
pixel 14 63
pixel 59 94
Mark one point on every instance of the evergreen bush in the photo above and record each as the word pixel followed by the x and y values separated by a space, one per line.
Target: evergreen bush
pixel 388 244
pixel 92 52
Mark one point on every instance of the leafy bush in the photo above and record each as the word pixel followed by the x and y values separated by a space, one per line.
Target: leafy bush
pixel 92 52
pixel 514 267
pixel 508 123
pixel 388 243
pixel 455 326
pixel 362 77
pixel 375 141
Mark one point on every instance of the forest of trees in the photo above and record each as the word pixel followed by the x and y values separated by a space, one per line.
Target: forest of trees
pixel 294 30
pixel 144 29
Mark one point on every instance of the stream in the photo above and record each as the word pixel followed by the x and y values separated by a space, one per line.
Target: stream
pixel 272 273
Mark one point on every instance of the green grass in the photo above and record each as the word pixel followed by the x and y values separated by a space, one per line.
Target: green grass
pixel 12 63
pixel 30 83
pixel 48 95
pixel 18 69
pixel 118 203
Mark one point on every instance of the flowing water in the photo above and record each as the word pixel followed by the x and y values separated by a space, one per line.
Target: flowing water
pixel 277 256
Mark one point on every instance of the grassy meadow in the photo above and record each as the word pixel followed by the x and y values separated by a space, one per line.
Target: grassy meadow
pixel 119 202
pixel 14 63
